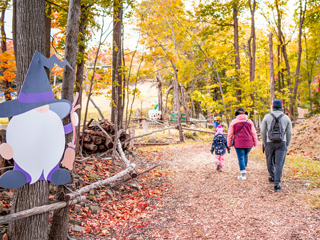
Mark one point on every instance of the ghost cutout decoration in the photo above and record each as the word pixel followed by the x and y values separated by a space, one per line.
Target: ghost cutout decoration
pixel 35 136
pixel 154 114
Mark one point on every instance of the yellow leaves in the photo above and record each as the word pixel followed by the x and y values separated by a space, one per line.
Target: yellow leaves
pixel 206 101
pixel 230 72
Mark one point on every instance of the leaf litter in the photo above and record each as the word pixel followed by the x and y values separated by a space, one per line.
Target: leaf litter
pixel 125 210
pixel 206 204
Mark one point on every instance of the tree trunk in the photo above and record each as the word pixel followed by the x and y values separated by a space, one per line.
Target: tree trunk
pixel 60 221
pixel 177 103
pixel 167 95
pixel 6 85
pixel 183 102
pixel 296 83
pixel 159 86
pixel 237 51
pixel 71 48
pixel 14 26
pixel 309 74
pixel 279 46
pixel 176 83
pixel 80 66
pixel 282 47
pixel 252 53
pixel 123 78
pixel 48 32
pixel 116 64
pixel 3 39
pixel 29 22
pixel 272 84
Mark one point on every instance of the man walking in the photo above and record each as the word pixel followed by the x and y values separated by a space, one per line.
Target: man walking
pixel 276 132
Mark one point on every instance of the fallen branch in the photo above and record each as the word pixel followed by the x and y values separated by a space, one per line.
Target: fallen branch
pixel 198 130
pixel 88 124
pixel 154 121
pixel 98 109
pixel 146 134
pixel 105 153
pixel 105 133
pixel 153 144
pixel 82 160
pixel 205 131
pixel 139 174
pixel 98 184
pixel 39 210
pixel 123 156
pixel 9 167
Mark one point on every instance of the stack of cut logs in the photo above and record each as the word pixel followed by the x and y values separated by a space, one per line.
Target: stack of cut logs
pixel 96 141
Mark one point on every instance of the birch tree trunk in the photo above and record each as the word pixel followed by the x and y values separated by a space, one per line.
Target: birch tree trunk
pixel 30 21
pixel 60 221
pixel 272 84
pixel 237 51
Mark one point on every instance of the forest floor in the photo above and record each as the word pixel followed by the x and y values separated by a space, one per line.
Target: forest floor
pixel 206 204
pixel 186 198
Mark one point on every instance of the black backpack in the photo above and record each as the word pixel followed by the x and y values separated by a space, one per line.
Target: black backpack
pixel 276 132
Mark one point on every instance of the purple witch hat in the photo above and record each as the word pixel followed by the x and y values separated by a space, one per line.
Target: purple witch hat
pixel 36 90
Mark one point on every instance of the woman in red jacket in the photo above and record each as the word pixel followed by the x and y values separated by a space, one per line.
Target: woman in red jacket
pixel 243 132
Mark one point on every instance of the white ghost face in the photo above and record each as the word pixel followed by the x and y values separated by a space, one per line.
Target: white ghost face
pixel 38 141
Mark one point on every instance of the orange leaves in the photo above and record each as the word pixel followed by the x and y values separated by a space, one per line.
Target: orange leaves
pixel 128 209
pixel 7 66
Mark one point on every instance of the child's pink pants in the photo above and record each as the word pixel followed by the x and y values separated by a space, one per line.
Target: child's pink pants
pixel 220 160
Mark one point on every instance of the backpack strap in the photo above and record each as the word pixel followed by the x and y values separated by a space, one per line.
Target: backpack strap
pixel 277 118
pixel 240 129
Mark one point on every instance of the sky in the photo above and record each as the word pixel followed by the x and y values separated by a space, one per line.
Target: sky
pixel 131 36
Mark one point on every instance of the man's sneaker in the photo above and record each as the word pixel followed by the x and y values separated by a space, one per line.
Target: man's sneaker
pixel 271 179
pixel 277 188
pixel 242 177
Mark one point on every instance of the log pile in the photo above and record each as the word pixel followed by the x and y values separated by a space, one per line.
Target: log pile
pixel 95 140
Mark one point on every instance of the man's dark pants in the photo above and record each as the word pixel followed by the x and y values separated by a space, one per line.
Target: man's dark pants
pixel 276 155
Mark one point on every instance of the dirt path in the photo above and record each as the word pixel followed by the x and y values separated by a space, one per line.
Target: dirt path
pixel 206 204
